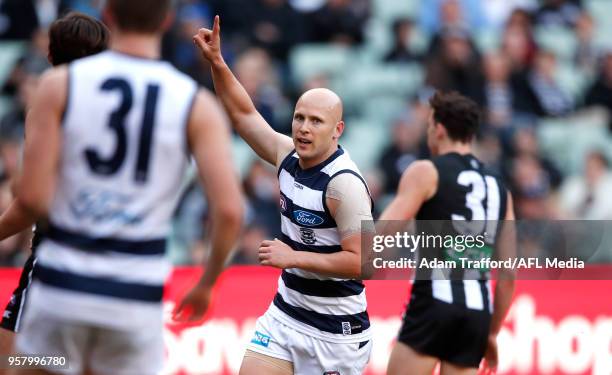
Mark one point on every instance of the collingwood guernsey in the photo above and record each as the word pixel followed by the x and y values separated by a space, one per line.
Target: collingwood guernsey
pixel 330 309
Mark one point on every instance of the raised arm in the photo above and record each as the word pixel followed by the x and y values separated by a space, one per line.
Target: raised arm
pixel 270 145
pixel 209 142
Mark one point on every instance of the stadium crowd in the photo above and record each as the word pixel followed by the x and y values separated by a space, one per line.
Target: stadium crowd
pixel 539 69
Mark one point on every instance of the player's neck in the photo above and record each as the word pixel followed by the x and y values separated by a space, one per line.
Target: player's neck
pixel 455 147
pixel 305 164
pixel 139 45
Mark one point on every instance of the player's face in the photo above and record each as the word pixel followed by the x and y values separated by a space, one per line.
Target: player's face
pixel 313 129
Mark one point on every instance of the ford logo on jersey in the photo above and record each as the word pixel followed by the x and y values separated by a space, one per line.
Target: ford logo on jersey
pixel 307 219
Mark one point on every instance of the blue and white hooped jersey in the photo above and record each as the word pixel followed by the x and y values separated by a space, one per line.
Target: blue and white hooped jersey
pixel 123 161
pixel 331 309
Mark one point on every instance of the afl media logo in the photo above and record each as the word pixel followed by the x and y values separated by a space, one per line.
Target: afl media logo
pixel 283 204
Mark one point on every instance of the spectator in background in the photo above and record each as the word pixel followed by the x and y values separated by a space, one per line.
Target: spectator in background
pixel 340 21
pixel 274 26
pixel 488 149
pixel 254 70
pixel 452 19
pixel 437 14
pixel 12 124
pixel 518 43
pixel 20 18
pixel 531 188
pixel 262 192
pixel 550 99
pixel 588 197
pixel 178 45
pixel 525 143
pixel 456 67
pixel 600 92
pixel 498 92
pixel 559 13
pixel 400 52
pixel 35 58
pixel 586 54
pixel 497 12
pixel 406 137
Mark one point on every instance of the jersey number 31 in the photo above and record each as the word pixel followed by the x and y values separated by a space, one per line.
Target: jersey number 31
pixel 110 165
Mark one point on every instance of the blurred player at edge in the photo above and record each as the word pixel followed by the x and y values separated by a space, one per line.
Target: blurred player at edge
pixel 106 150
pixel 71 37
pixel 318 322
pixel 450 321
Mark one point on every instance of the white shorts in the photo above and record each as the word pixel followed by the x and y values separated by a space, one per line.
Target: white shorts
pixel 85 346
pixel 310 355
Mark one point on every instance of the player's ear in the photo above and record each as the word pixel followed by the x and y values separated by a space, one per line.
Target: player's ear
pixel 440 131
pixel 339 129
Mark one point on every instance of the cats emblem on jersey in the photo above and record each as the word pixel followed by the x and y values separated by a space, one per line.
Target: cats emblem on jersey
pixel 306 218
pixel 308 236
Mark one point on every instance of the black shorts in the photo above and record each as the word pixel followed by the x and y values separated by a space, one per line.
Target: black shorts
pixel 14 309
pixel 452 333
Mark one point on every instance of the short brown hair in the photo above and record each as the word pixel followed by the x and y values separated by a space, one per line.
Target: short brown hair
pixel 458 114
pixel 74 36
pixel 144 16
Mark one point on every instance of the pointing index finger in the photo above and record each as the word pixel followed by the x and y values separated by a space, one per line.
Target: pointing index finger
pixel 216 27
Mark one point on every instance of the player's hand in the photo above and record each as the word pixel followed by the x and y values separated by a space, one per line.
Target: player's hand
pixel 209 41
pixel 194 305
pixel 277 254
pixel 490 359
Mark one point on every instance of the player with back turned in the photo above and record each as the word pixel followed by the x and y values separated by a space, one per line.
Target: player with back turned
pixel 453 321
pixel 318 321
pixel 74 36
pixel 108 143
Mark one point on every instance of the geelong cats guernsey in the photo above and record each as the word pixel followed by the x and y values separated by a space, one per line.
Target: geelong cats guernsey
pixel 331 309
pixel 122 166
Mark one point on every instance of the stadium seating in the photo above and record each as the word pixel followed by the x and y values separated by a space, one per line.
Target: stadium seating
pixel 310 60
pixel 568 140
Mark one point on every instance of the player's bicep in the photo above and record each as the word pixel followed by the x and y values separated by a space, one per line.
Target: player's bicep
pixel 42 145
pixel 209 140
pixel 349 203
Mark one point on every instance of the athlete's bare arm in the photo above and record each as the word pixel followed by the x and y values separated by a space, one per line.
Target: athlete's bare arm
pixel 209 142
pixel 42 148
pixel 349 203
pixel 270 145
pixel 418 184
pixel 504 287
